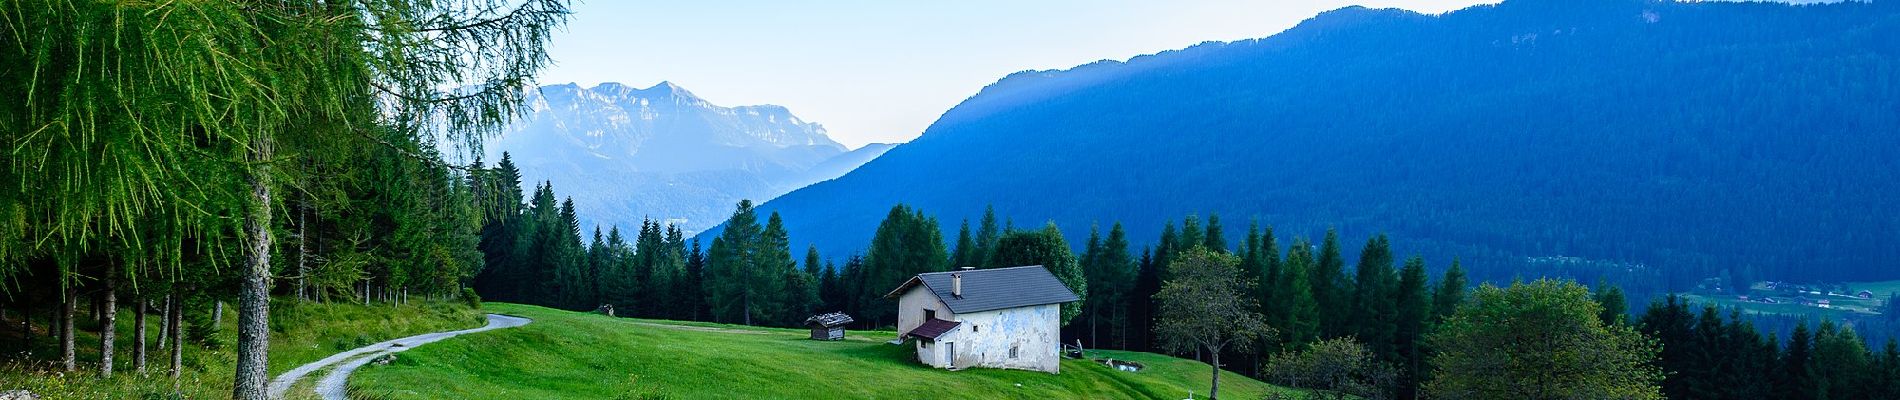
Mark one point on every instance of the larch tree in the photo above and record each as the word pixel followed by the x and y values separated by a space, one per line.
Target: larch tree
pixel 209 95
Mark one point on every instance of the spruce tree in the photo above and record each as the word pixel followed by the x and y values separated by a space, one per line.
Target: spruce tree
pixel 1795 376
pixel 1414 310
pixel 1192 235
pixel 733 266
pixel 792 293
pixel 965 255
pixel 1140 303
pixel 694 281
pixel 1329 288
pixel 1299 324
pixel 1373 313
pixel 1449 293
pixel 1164 250
pixel 1216 238
pixel 986 236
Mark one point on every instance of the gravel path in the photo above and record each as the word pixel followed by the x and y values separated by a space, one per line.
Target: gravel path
pixel 332 385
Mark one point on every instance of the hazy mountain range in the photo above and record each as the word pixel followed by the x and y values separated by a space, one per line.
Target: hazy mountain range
pixel 626 154
pixel 1673 139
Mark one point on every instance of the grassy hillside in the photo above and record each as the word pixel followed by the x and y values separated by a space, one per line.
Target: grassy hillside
pixel 565 355
pixel 300 333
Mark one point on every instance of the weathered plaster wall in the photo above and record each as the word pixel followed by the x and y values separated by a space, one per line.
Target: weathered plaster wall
pixel 985 338
pixel 911 306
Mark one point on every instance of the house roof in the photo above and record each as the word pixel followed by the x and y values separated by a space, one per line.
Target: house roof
pixel 993 289
pixel 829 320
pixel 932 329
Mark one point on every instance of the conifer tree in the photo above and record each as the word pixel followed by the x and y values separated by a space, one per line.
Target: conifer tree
pixel 1615 306
pixel 1192 235
pixel 733 265
pixel 1330 288
pixel 1449 293
pixel 1299 323
pixel 1795 375
pixel 694 294
pixel 906 243
pixel 1373 313
pixel 965 255
pixel 986 236
pixel 1216 238
pixel 1414 310
pixel 1140 303
pixel 1047 248
pixel 1841 363
pixel 1164 251
pixel 792 293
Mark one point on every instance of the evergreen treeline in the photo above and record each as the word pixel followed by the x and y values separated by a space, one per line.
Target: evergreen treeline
pixel 1709 354
pixel 1305 290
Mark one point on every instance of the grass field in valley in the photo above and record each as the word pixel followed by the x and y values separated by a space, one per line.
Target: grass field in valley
pixel 301 332
pixel 1842 306
pixel 568 355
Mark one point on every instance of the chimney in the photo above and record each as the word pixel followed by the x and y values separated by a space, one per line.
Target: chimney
pixel 956 285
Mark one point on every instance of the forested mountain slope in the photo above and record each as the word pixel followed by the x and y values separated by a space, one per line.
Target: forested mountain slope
pixel 1660 139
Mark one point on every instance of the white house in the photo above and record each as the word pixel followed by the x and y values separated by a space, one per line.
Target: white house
pixel 991 318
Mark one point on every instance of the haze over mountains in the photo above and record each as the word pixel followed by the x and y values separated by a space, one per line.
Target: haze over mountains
pixel 1672 140
pixel 625 154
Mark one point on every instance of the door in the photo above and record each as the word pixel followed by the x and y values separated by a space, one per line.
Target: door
pixel 950 354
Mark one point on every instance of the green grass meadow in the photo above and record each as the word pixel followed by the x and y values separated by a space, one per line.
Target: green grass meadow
pixel 301 332
pixel 568 355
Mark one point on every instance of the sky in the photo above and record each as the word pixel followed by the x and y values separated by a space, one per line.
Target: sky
pixel 882 71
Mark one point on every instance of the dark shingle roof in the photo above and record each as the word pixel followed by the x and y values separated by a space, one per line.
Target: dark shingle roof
pixel 994 289
pixel 933 329
pixel 829 320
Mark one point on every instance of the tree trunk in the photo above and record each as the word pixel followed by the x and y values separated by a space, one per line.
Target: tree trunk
pixel 254 288
pixel 173 321
pixel 26 326
pixel 165 323
pixel 303 253
pixel 67 361
pixel 138 334
pixel 217 314
pixel 1213 393
pixel 108 324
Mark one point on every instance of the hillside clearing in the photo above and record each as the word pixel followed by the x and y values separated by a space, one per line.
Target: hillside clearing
pixel 576 355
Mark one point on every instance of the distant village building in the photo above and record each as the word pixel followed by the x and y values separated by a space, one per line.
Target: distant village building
pixel 828 326
pixel 991 318
pixel 1865 294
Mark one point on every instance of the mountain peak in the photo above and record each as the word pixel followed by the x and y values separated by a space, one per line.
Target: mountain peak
pixel 668 89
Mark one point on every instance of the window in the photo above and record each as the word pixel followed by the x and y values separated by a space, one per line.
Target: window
pixel 973 328
pixel 930 314
pixel 1012 351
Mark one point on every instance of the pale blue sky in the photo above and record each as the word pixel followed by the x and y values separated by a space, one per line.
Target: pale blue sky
pixel 882 71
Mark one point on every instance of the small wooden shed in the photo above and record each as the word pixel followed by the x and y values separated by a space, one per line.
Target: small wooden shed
pixel 828 326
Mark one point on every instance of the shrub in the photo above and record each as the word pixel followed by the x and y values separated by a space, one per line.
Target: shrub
pixel 473 300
